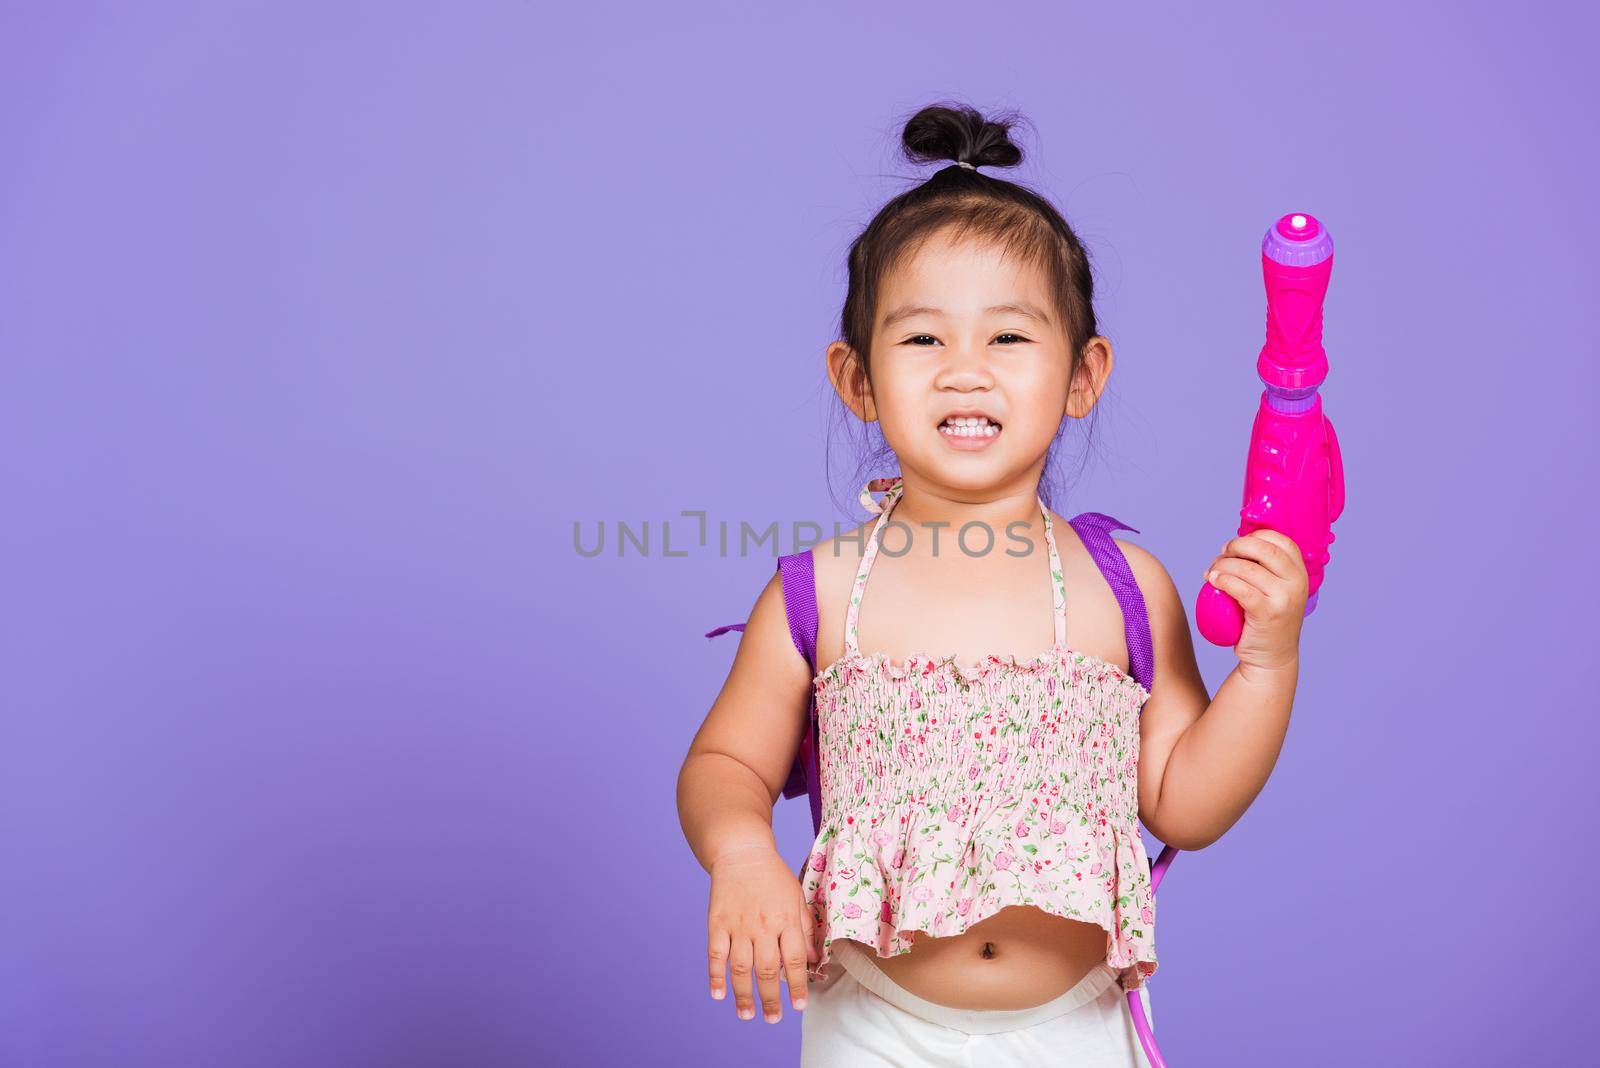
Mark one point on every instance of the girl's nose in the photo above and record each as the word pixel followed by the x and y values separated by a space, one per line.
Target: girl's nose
pixel 965 366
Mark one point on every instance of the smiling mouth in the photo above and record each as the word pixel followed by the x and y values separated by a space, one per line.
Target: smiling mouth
pixel 971 427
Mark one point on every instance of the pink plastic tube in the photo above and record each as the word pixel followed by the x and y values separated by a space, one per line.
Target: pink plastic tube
pixel 1293 476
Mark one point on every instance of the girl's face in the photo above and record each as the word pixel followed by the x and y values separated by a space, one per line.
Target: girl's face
pixel 962 332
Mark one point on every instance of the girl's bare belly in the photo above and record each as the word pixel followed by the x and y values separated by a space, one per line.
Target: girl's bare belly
pixel 1020 957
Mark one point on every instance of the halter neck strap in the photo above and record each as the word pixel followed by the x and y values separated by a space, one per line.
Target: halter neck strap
pixel 895 488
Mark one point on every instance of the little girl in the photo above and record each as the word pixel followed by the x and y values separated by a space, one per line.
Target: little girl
pixel 979 872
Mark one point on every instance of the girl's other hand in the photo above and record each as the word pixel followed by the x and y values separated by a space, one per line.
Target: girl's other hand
pixel 1265 572
pixel 759 923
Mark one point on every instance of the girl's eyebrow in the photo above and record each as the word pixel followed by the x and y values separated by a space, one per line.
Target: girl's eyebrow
pixel 911 310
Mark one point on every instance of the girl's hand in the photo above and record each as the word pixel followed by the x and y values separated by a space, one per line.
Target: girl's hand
pixel 1265 572
pixel 759 922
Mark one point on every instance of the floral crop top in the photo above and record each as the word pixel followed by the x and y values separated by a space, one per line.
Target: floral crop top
pixel 950 792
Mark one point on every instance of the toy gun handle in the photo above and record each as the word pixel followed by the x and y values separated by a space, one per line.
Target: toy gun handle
pixel 1294 474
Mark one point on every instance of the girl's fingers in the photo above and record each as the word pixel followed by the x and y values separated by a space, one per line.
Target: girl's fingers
pixel 1251 574
pixel 1293 557
pixel 740 962
pixel 792 946
pixel 808 924
pixel 718 954
pixel 767 974
pixel 1277 551
pixel 1237 588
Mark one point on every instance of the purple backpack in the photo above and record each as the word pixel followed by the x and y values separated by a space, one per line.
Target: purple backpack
pixel 800 603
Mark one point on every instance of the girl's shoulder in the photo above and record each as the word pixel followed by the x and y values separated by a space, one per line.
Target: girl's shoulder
pixel 1141 560
pixel 839 557
pixel 1163 604
pixel 835 562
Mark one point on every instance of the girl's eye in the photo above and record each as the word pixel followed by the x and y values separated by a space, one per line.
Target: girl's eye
pixel 916 339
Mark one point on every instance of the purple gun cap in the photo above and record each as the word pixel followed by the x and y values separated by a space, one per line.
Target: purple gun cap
pixel 1297 240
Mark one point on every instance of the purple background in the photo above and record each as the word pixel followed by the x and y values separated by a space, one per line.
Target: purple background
pixel 322 324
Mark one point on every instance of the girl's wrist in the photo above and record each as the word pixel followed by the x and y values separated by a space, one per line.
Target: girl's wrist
pixel 1271 675
pixel 746 850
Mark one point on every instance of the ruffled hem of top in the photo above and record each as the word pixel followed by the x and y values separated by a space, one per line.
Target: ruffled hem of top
pixel 948 666
pixel 882 912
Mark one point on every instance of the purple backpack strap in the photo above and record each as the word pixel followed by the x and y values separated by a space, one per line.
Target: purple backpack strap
pixel 800 605
pixel 1095 528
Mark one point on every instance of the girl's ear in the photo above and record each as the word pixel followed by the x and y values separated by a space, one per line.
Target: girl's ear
pixel 849 379
pixel 1089 380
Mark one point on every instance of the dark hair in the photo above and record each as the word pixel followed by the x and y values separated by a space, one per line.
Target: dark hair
pixel 967 204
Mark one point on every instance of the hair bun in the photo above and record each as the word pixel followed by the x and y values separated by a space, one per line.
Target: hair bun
pixel 960 134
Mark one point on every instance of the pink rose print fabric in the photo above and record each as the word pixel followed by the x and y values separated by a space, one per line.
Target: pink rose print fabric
pixel 951 791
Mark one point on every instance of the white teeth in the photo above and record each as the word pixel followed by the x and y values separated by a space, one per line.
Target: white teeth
pixel 970 428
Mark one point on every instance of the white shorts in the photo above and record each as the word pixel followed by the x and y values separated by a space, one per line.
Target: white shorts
pixel 859 1017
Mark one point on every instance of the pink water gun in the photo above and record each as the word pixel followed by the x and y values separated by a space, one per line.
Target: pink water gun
pixel 1293 476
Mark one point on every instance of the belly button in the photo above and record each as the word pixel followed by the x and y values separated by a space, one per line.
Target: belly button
pixel 988 951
